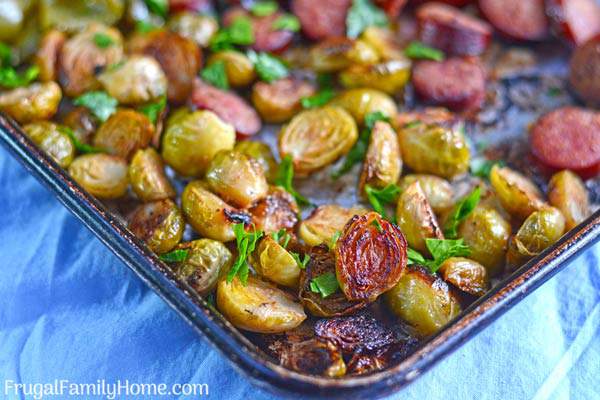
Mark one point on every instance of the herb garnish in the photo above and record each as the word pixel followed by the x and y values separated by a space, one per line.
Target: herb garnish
pixel 286 22
pixel 246 243
pixel 318 99
pixel 302 263
pixel 285 179
pixel 361 15
pixel 380 197
pixel 282 235
pixel 326 284
pixel 264 8
pixel 175 256
pixel 101 104
pixel 216 75
pixel 268 67
pixel 153 110
pixel 418 50
pixel 158 7
pixel 239 33
pixel 83 148
pixel 103 40
pixel 441 250
pixel 461 211
pixel 9 77
pixel 482 167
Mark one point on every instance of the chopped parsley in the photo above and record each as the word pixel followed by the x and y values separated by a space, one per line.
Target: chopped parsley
pixel 302 263
pixel 420 51
pixel 158 7
pixel 264 8
pixel 101 104
pixel 326 284
pixel 175 256
pixel 216 75
pixel 285 179
pixel 286 22
pixel 9 77
pixel 268 67
pixel 317 100
pixel 282 237
pixel 441 250
pixel 461 211
pixel 377 225
pixel 103 40
pixel 246 243
pixel 239 33
pixel 380 197
pixel 82 148
pixel 482 167
pixel 153 110
pixel 363 14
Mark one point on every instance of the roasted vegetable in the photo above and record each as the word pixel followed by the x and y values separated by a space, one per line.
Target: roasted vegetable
pixel 336 53
pixel 280 100
pixel 147 176
pixel 159 224
pixel 363 101
pixel 83 124
pixel 238 67
pixel 46 56
pixel 389 77
pixel 124 132
pixel 567 192
pixel 314 356
pixel 273 262
pixel 325 222
pixel 467 275
pixel 101 175
pixel 38 101
pixel 438 191
pixel 383 163
pixel 52 140
pixel 278 210
pixel 262 153
pixel 384 42
pixel 67 15
pixel 137 80
pixel 517 194
pixel 196 27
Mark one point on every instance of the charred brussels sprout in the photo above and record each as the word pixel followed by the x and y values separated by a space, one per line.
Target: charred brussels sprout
pixel 275 212
pixel 124 132
pixel 467 275
pixel 46 56
pixel 258 306
pixel 336 53
pixel 384 42
pixel 362 101
pixel 389 77
pixel 262 153
pixel 196 27
pixel 52 140
pixel 273 262
pixel 67 15
pixel 159 224
pixel 517 194
pixel 438 191
pixel 280 100
pixel 148 178
pixel 383 163
pixel 568 193
pixel 38 101
pixel 238 67
pixel 102 175
pixel 82 123
pixel 192 139
pixel 314 356
pixel 325 222
pixel 316 138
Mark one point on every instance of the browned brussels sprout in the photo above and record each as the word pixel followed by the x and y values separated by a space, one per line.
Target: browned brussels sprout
pixel 433 149
pixel 438 191
pixel 51 139
pixel 336 53
pixel 159 224
pixel 46 56
pixel 280 100
pixel 275 212
pixel 316 357
pixel 384 42
pixel 102 175
pixel 325 222
pixel 262 153
pixel 148 178
pixel 196 27
pixel 467 275
pixel 423 300
pixel 567 192
pixel 124 132
pixel 83 124
pixel 383 163
pixel 362 101
pixel 38 101
pixel 416 218
pixel 316 138
pixel 273 262
pixel 389 76
pixel 237 178
pixel 517 194
pixel 238 67
pixel 192 139
pixel 258 306
pixel 67 15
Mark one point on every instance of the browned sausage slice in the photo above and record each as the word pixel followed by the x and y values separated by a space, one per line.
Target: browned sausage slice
pixel 451 30
pixel 197 6
pixel 585 71
pixel 455 3
pixel 575 20
pixel 230 107
pixel 568 138
pixel 322 18
pixel 456 83
pixel 517 19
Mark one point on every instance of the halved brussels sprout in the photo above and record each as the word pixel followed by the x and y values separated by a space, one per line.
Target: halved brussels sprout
pixel 467 275
pixel 416 218
pixel 124 132
pixel 81 58
pixel 438 191
pixel 192 139
pixel 433 149
pixel 159 224
pixel 316 138
pixel 138 80
pixel 383 162
pixel 12 16
pixel 197 27
pixel 82 123
pixel 540 230
pixel 238 67
pixel 370 257
pixel 275 212
pixel 273 262
pixel 148 178
pixel 517 194
pixel 237 178
pixel 280 100
pixel 316 357
pixel 46 56
pixel 389 76
pixel 325 222
pixel 262 153
pixel 384 42
pixel 102 175
pixel 336 53
pixel 258 306
pixel 568 193
pixel 38 101
pixel 423 300
pixel 67 15
pixel 205 263
pixel 208 214
pixel 362 101
pixel 51 139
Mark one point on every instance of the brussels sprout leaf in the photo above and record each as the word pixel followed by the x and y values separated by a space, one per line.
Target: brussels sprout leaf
pixel 325 284
pixel 461 211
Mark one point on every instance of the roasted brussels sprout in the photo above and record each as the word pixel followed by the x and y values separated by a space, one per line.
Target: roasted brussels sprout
pixel 416 218
pixel 67 15
pixel 438 191
pixel 273 262
pixel 325 222
pixel 384 42
pixel 236 178
pixel 83 124
pixel 316 138
pixel 159 224
pixel 423 300
pixel 389 77
pixel 433 149
pixel 196 27
pixel 262 153
pixel 540 230
pixel 238 67
pixel 12 17
pixel 147 176
pixel 124 132
pixel 258 306
pixel 102 175
pixel 370 257
pixel 336 53
pixel 568 193
pixel 46 56
pixel 517 194
pixel 280 100
pixel 81 58
pixel 314 356
pixel 138 80
pixel 205 263
pixel 208 214
pixel 467 275
pixel 275 212
pixel 383 163
pixel 363 101
pixel 192 139
pixel 38 101
pixel 52 140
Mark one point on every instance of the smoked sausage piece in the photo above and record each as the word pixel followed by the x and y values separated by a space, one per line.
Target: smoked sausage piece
pixel 323 18
pixel 517 19
pixel 575 20
pixel 584 75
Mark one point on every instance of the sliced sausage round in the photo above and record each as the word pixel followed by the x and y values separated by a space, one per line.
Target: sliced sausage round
pixel 230 107
pixel 584 75
pixel 323 18
pixel 575 20
pixel 391 7
pixel 455 3
pixel 568 138
pixel 198 6
pixel 517 19
pixel 451 30
pixel 456 83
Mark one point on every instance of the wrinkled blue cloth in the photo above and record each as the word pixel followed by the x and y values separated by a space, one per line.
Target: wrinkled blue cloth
pixel 70 310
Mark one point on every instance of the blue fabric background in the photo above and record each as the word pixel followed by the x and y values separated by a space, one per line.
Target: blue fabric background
pixel 70 310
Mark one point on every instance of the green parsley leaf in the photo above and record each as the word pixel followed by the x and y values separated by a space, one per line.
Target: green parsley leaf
pixel 326 284
pixel 325 80
pixel 282 234
pixel 302 263
pixel 285 179
pixel 361 15
pixel 377 225
pixel 6 55
pixel 380 197
pixel 246 243
pixel 144 26
pixel 418 50
pixel 287 22
pixel 414 257
pixel 264 8
pixel 175 256
pixel 443 249
pixel 317 100
pixel 334 239
pixel 268 67
pixel 10 78
pixel 216 75
pixel 103 40
pixel 158 7
pixel 373 117
pixel 153 110
pixel 83 148
pixel 101 104
pixel 239 33
pixel 461 211
pixel 482 168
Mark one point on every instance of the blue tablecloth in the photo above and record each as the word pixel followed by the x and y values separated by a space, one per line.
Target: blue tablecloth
pixel 70 310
